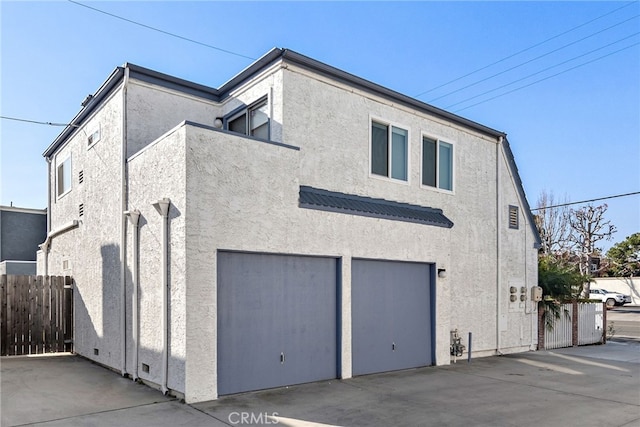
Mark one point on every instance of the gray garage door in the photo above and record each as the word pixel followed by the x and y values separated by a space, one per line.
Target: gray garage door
pixel 391 315
pixel 276 320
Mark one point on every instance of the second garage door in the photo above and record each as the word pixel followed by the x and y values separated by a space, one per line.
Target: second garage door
pixel 391 315
pixel 276 320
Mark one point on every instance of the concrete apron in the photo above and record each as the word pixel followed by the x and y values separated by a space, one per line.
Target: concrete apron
pixel 587 386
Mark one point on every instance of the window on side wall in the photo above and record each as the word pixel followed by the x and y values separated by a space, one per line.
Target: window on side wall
pixel 389 151
pixel 64 177
pixel 253 120
pixel 437 163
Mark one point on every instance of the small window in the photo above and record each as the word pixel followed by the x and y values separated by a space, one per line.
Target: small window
pixel 81 209
pixel 64 177
pixel 253 121
pixel 389 151
pixel 93 138
pixel 80 177
pixel 437 163
pixel 513 217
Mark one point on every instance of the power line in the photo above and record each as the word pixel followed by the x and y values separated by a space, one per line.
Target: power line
pixel 541 71
pixel 523 50
pixel 37 122
pixel 547 78
pixel 163 31
pixel 586 201
pixel 531 60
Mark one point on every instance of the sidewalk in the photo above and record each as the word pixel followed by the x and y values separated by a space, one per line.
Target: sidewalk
pixel 582 386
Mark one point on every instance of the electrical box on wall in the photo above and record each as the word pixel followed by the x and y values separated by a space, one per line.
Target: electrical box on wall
pixel 536 293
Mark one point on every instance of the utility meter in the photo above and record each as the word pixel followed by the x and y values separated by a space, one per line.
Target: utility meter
pixel 536 293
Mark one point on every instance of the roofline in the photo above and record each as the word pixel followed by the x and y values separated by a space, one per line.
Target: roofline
pixel 23 210
pixel 375 88
pixel 520 188
pixel 217 95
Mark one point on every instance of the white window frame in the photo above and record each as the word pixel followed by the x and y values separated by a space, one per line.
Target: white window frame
pixel 94 137
pixel 438 140
pixel 58 176
pixel 246 111
pixel 390 125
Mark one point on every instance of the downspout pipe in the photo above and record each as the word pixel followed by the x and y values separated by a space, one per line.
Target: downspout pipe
pixel 123 229
pixel 134 218
pixel 498 246
pixel 162 206
pixel 45 247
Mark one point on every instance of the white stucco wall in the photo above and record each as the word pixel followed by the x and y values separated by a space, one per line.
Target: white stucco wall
pixel 229 192
pixel 92 250
pixel 155 173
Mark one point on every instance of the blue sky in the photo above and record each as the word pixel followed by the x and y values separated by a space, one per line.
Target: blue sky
pixel 576 134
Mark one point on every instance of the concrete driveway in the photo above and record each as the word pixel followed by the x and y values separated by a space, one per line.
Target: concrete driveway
pixel 581 386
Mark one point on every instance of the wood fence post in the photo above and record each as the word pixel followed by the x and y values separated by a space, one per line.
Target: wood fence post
pixel 3 315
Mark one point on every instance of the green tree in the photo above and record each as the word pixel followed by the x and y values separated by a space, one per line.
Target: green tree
pixel 560 281
pixel 624 257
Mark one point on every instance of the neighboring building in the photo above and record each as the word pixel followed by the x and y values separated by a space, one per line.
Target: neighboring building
pixel 21 231
pixel 317 226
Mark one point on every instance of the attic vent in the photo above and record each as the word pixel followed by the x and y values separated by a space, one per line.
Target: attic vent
pixel 81 209
pixel 65 264
pixel 513 217
pixel 81 177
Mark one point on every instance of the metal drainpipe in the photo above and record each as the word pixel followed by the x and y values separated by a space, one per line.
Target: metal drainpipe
pixel 123 232
pixel 134 218
pixel 45 245
pixel 498 230
pixel 162 206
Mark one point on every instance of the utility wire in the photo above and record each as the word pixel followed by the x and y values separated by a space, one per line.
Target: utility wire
pixel 541 71
pixel 586 201
pixel 37 122
pixel 547 78
pixel 523 50
pixel 163 32
pixel 531 60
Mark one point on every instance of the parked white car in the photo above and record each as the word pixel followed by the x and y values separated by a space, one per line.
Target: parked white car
pixel 610 298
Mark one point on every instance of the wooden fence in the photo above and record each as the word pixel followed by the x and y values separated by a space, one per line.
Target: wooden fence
pixel 36 314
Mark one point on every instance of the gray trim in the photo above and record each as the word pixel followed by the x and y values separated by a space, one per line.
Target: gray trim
pixel 264 141
pixel 352 80
pixel 113 81
pixel 330 201
pixel 433 277
pixel 516 176
pixel 339 317
pixel 217 95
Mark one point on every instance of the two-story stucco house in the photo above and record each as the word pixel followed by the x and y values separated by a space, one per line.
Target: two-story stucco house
pixel 297 224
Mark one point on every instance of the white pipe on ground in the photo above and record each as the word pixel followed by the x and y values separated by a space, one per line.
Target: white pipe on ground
pixel 162 206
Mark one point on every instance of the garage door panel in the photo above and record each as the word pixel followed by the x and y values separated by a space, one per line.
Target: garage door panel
pixel 391 315
pixel 276 320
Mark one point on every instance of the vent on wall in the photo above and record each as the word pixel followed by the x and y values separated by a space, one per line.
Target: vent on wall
pixel 513 217
pixel 81 209
pixel 81 177
pixel 65 264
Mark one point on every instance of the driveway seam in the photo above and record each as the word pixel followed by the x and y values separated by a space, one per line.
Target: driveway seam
pixel 93 413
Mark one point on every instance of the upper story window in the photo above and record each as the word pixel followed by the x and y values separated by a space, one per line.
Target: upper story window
pixel 93 137
pixel 389 151
pixel 437 163
pixel 253 120
pixel 63 176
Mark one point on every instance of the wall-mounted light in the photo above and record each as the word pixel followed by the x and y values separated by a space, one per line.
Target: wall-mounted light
pixel 217 123
pixel 442 273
